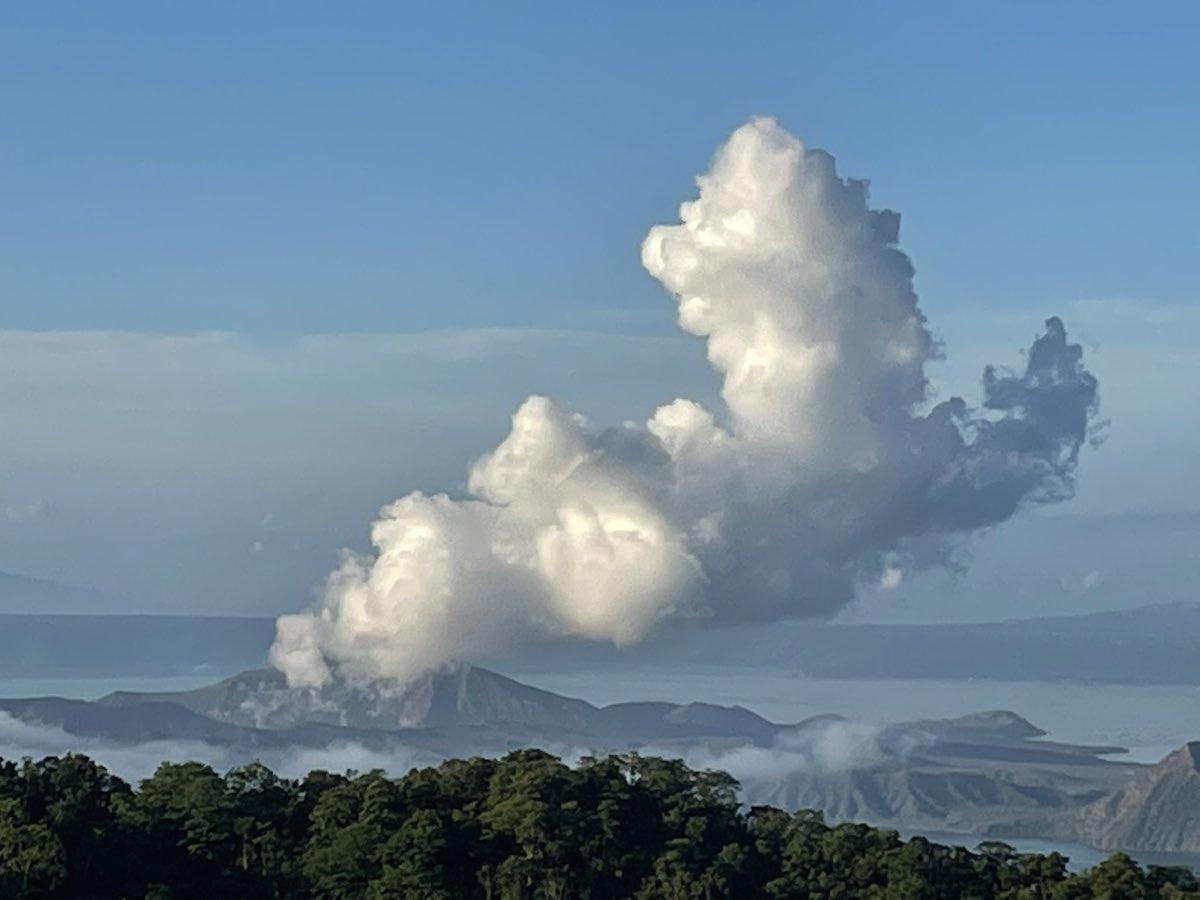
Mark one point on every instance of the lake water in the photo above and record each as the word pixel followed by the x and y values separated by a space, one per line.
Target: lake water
pixel 1080 857
pixel 1149 720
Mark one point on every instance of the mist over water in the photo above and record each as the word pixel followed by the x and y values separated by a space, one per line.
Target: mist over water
pixel 1148 720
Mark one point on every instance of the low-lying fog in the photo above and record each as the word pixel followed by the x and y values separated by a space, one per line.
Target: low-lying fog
pixel 1149 720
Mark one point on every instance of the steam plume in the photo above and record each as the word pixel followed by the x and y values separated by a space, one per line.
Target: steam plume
pixel 822 470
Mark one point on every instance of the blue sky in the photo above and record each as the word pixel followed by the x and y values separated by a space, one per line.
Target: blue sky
pixel 299 167
pixel 275 171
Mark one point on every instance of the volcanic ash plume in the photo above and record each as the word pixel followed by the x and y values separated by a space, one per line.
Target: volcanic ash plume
pixel 822 470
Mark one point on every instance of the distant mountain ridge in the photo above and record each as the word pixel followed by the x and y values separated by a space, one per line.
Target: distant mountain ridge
pixel 81 646
pixel 458 699
pixel 1157 644
pixel 23 595
pixel 1159 808
pixel 1151 645
pixel 988 774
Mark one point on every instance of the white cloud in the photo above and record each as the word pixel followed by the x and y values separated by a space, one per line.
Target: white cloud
pixel 821 466
pixel 821 749
pixel 142 464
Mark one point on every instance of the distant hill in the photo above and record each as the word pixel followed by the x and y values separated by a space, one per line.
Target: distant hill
pixel 1151 645
pixel 1157 644
pixel 1160 808
pixel 467 701
pixel 97 646
pixel 22 594
pixel 991 773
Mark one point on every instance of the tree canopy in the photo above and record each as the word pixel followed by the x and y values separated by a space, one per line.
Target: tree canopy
pixel 524 826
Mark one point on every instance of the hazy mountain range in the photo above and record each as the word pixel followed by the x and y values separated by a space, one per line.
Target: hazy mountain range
pixel 990 774
pixel 22 594
pixel 1150 645
pixel 1156 644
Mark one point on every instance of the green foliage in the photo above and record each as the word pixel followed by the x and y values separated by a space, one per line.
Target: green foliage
pixel 33 862
pixel 526 826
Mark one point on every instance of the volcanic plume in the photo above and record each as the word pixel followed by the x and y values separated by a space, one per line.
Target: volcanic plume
pixel 825 467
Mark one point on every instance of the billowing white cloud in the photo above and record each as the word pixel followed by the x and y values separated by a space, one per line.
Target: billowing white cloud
pixel 822 469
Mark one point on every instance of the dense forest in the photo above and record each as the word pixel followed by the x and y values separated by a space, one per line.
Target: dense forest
pixel 525 826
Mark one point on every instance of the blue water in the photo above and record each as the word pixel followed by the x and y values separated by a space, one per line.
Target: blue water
pixel 1149 720
pixel 1079 856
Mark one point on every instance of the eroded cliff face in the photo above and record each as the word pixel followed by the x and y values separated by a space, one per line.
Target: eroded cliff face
pixel 988 774
pixel 1159 809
